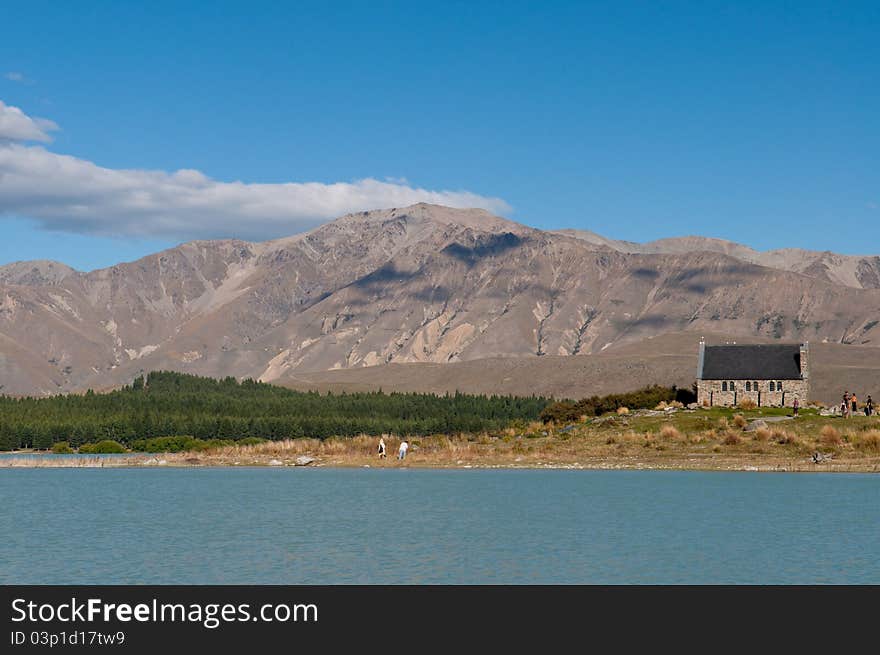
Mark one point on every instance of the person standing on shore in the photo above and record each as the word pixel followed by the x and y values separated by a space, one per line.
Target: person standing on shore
pixel 401 453
pixel 869 406
pixel 795 406
pixel 844 406
pixel 381 447
pixel 854 402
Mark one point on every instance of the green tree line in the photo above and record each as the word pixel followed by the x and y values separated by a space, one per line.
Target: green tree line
pixel 169 404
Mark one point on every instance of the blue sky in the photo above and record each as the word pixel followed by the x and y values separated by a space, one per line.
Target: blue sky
pixel 756 122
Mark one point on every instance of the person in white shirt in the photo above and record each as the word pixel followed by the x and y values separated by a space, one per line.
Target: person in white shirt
pixel 404 446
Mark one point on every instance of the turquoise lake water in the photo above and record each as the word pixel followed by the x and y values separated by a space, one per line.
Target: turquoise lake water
pixel 331 526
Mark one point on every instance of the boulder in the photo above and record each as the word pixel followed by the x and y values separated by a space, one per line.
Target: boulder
pixel 304 460
pixel 754 425
pixel 276 462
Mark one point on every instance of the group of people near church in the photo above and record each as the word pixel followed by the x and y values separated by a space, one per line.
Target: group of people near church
pixel 850 405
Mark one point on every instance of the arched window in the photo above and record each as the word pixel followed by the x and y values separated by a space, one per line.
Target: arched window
pixel 755 385
pixel 748 386
pixel 724 386
pixel 732 386
pixel 779 386
pixel 772 386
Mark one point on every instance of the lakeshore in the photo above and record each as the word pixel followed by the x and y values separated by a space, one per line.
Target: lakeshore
pixel 719 439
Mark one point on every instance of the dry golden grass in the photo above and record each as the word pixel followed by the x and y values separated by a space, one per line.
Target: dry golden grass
pixel 868 441
pixel 829 436
pixel 739 421
pixel 41 461
pixel 670 432
pixel 621 411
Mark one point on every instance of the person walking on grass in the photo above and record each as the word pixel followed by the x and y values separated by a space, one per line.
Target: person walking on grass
pixel 854 402
pixel 401 453
pixel 381 447
pixel 795 406
pixel 869 406
pixel 844 406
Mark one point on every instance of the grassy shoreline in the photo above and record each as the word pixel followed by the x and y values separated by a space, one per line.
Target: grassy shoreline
pixel 716 439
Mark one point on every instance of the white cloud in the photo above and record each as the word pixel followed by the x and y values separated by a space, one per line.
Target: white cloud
pixel 67 193
pixel 15 125
pixel 14 76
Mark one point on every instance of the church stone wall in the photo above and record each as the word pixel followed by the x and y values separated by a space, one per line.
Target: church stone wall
pixel 711 393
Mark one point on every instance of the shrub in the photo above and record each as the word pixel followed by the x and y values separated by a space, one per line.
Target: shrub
pixel 176 444
pixel 731 439
pixel 829 436
pixel 622 410
pixel 739 421
pixel 670 432
pixel 559 412
pixel 777 434
pixel 784 438
pixel 106 447
pixel 569 412
pixel 186 443
pixel 762 434
pixel 61 448
pixel 747 403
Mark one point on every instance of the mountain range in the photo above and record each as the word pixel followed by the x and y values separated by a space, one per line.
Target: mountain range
pixel 425 285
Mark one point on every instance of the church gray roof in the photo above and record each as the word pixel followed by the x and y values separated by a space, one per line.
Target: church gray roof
pixel 751 362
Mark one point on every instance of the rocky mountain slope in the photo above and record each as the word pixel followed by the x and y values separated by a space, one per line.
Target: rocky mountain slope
pixel 860 272
pixel 419 284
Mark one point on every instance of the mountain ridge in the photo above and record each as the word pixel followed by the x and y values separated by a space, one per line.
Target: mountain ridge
pixel 416 284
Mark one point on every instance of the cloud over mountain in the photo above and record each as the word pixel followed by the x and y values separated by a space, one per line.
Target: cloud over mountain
pixel 64 192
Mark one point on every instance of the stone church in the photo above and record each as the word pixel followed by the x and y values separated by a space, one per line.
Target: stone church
pixel 772 375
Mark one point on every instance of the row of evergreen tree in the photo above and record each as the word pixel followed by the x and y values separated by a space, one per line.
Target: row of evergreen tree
pixel 167 404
